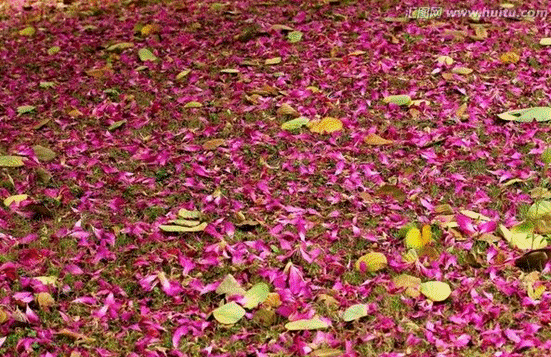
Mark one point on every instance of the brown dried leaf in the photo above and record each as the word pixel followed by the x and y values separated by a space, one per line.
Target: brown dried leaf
pixel 41 123
pixel 213 144
pixel 376 140
pixel 415 113
pixel 265 317
pixel 480 32
pixel 75 335
pixel 447 76
pixel 99 72
pixel 430 252
pixel 286 109
pixel 460 112
pixel 393 191
pixel 443 209
pixel 266 90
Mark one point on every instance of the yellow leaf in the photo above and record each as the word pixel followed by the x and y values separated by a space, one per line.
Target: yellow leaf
pixel 11 161
pixel 371 262
pixel 509 57
pixel 4 316
pixel 426 234
pixel 410 256
pixel 406 281
pixel 193 104
pixel 326 125
pixel 376 140
pixel 272 61
pixel 414 239
pixel 45 300
pixel 462 70
pixel 149 29
pixel 536 293
pixel 546 41
pixel 436 290
pixel 16 198
pixel 445 60
pixel 273 300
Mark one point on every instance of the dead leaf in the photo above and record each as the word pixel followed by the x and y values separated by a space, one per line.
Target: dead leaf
pixel 75 335
pixel 445 209
pixel 41 123
pixel 100 72
pixel 376 140
pixel 265 317
pixel 393 191
pixel 447 76
pixel 213 144
pixel 480 32
pixel 460 112
pixel 286 109
pixel 279 27
pixel 533 260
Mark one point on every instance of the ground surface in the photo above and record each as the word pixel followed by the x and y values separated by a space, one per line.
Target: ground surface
pixel 130 147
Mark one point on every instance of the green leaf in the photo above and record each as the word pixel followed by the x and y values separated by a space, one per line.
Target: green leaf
pixel 186 222
pixel 16 198
pixel 527 115
pixel 53 50
pixel 182 74
pixel 294 36
pixel 307 324
pixel 43 153
pixel 522 236
pixel 229 313
pixel 182 229
pixel 193 104
pixel 47 84
pixel 295 124
pixel 546 156
pixel 25 109
pixel 146 55
pixel 538 210
pixel 27 31
pixel 120 46
pixel 184 213
pixel 11 161
pixel 401 99
pixel 229 286
pixel 116 125
pixel 256 295
pixel 355 312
